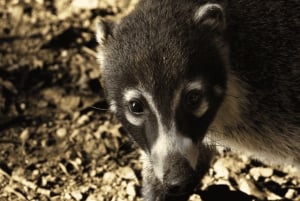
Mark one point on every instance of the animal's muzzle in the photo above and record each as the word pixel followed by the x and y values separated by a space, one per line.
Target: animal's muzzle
pixel 179 177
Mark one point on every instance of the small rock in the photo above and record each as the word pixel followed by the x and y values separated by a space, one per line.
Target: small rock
pixel 83 120
pixel 130 189
pixel 37 63
pixel 76 195
pixel 75 115
pixel 74 134
pixel 42 104
pixel 111 144
pixel 78 161
pixel 64 53
pixel 109 177
pixel 94 74
pixel 40 1
pixel 127 173
pixel 24 135
pixel 61 132
pixel 107 189
pixel 8 85
pixel 62 116
pixel 35 173
pixel 92 198
pixel 290 194
pixel 195 197
pixel 22 106
pixel 280 180
pixel 273 196
pixel 68 196
pixel 53 95
pixel 93 173
pixel 248 187
pixel 83 4
pixel 69 103
pixel 102 149
pixel 220 169
pixel 261 171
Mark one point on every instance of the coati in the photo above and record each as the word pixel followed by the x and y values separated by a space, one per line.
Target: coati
pixel 183 76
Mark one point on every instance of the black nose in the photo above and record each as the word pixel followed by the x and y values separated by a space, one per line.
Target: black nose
pixel 180 186
pixel 179 178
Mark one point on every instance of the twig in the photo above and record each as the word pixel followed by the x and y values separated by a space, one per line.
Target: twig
pixel 31 185
pixel 18 194
pixel 27 183
pixel 89 51
pixel 4 173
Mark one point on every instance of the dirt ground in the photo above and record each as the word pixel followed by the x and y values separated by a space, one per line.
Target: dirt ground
pixel 58 141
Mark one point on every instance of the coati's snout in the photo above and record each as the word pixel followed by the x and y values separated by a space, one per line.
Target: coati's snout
pixel 178 176
pixel 174 159
pixel 177 173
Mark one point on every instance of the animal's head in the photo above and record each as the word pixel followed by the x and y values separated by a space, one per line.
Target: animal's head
pixel 164 68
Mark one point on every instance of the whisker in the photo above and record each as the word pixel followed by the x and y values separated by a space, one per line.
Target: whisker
pixel 100 109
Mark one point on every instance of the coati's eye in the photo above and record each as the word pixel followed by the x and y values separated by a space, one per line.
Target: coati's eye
pixel 193 98
pixel 136 107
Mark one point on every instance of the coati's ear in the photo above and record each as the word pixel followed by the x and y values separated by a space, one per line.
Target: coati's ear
pixel 104 29
pixel 211 15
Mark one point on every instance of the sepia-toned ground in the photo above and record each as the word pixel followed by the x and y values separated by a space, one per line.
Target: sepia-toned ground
pixel 58 141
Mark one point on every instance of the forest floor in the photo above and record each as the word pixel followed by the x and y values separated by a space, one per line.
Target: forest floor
pixel 54 144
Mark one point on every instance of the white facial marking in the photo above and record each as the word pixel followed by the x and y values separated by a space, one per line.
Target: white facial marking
pixel 172 142
pixel 194 85
pixel 200 13
pixel 159 152
pixel 137 121
pixel 130 94
pixel 169 141
pixel 113 106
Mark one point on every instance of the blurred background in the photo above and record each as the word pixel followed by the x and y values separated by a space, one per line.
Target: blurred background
pixel 57 139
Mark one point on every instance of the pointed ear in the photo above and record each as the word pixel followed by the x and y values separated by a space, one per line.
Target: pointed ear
pixel 210 15
pixel 104 29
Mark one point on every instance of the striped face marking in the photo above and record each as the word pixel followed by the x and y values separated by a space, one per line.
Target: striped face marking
pixel 113 106
pixel 169 140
